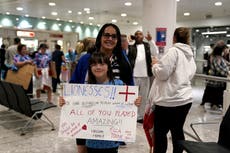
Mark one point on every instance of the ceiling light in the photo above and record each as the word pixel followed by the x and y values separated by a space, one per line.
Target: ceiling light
pixel 69 11
pixel 90 23
pixel 79 13
pixel 186 14
pixel 27 15
pixel 17 19
pixel 87 12
pixel 59 24
pixel 197 30
pixel 73 26
pixel 19 8
pixel 58 19
pixel 135 23
pixel 114 20
pixel 43 17
pixel 98 25
pixel 8 13
pixel 123 14
pixel 70 20
pixel 214 32
pixel 228 35
pixel 82 22
pixel 128 3
pixel 91 18
pixel 52 4
pixel 54 13
pixel 86 9
pixel 177 0
pixel 218 3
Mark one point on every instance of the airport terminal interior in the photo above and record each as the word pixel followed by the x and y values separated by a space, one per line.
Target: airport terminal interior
pixel 68 22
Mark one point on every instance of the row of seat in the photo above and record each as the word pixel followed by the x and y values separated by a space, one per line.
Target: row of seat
pixel 13 96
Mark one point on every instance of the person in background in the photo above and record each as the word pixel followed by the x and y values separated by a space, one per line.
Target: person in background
pixel 11 52
pixel 100 72
pixel 125 43
pixel 140 57
pixel 171 91
pixel 3 67
pixel 43 80
pixel 21 59
pixel 58 58
pixel 108 41
pixel 215 89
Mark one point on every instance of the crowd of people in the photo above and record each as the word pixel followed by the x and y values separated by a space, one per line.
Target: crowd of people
pixel 110 59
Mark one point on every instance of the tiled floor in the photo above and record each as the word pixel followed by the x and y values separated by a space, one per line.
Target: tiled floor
pixel 40 138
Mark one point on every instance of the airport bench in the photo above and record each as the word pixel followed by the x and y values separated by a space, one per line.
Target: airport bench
pixel 13 96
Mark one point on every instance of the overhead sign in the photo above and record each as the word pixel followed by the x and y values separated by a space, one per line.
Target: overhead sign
pixel 102 112
pixel 25 34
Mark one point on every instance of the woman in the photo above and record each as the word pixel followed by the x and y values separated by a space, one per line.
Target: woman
pixel 43 81
pixel 20 60
pixel 218 67
pixel 171 91
pixel 108 41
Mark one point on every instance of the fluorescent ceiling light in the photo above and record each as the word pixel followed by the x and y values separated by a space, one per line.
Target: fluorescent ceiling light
pixel 27 15
pixel 98 25
pixel 177 0
pixel 79 13
pixel 186 14
pixel 214 32
pixel 128 3
pixel 135 23
pixel 228 35
pixel 8 13
pixel 52 4
pixel 69 11
pixel 91 18
pixel 19 8
pixel 70 20
pixel 58 19
pixel 54 13
pixel 123 14
pixel 90 23
pixel 218 3
pixel 114 20
pixel 82 22
pixel 43 17
pixel 86 9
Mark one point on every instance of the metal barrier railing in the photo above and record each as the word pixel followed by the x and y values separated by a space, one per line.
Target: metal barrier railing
pixel 210 77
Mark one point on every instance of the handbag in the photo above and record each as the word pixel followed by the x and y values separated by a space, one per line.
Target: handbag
pixel 148 125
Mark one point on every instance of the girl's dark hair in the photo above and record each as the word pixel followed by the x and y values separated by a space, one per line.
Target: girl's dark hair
pixel 117 48
pixel 182 35
pixel 99 57
pixel 218 49
pixel 20 46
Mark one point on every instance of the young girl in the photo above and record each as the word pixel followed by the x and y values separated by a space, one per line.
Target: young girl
pixel 100 72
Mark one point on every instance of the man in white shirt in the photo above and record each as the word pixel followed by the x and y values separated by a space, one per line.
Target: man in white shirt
pixel 139 55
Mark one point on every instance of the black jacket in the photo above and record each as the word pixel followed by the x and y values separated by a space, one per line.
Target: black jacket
pixel 132 54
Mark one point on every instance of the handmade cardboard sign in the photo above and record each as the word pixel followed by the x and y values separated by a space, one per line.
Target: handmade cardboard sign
pixel 102 112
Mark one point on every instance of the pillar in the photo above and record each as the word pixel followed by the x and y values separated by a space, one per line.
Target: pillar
pixel 160 14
